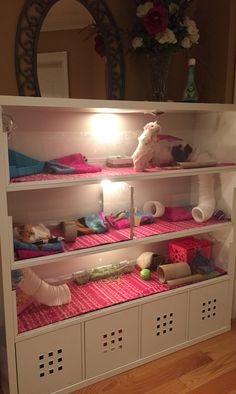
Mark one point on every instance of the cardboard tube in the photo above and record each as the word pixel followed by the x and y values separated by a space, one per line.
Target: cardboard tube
pixel 69 230
pixel 173 271
pixel 187 279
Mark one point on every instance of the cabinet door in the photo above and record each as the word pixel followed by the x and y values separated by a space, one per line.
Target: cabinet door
pixel 111 341
pixel 208 309
pixel 163 324
pixel 49 362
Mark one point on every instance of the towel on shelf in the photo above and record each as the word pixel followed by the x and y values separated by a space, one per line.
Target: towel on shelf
pixel 71 164
pixel 91 224
pixel 121 219
pixel 25 250
pixel 176 214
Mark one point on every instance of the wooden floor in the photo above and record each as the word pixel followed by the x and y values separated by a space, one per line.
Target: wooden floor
pixel 206 368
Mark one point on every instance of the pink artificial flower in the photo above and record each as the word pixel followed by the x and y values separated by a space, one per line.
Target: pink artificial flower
pixel 156 20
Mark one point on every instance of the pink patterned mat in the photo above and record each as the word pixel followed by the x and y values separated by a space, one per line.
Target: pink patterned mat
pixel 106 172
pixel 90 297
pixel 90 240
pixel 160 226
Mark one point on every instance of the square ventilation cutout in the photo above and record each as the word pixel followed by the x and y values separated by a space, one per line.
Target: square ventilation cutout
pixel 50 363
pixel 165 324
pixel 112 340
pixel 209 309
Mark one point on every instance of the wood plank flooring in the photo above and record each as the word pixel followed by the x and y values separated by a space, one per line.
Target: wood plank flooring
pixel 206 368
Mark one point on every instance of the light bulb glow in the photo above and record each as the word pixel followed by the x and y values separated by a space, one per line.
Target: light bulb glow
pixel 106 183
pixel 114 186
pixel 105 128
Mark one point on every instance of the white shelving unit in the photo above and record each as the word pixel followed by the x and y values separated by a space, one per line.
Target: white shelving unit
pixel 75 352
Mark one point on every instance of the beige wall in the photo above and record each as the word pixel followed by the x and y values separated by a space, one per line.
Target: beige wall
pixel 215 53
pixel 86 69
pixel 216 24
pixel 10 11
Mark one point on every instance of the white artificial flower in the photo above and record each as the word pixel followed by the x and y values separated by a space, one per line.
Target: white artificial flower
pixel 193 32
pixel 173 8
pixel 166 37
pixel 143 9
pixel 137 42
pixel 186 43
pixel 194 38
pixel 190 25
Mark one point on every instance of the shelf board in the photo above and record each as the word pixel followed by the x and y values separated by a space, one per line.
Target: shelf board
pixel 110 106
pixel 131 175
pixel 32 262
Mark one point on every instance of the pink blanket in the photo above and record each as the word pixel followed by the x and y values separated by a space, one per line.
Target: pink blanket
pixel 118 224
pixel 78 162
pixel 124 222
pixel 176 214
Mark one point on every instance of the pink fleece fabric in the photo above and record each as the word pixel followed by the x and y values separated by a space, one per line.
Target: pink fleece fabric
pixel 118 224
pixel 77 161
pixel 175 214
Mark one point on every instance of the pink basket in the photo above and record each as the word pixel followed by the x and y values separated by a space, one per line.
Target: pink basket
pixel 184 249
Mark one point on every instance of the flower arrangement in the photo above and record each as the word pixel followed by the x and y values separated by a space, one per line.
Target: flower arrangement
pixel 163 26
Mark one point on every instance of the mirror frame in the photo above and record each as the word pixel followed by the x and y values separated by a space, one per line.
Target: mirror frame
pixel 26 42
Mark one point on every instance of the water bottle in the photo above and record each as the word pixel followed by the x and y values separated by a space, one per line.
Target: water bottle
pixel 190 93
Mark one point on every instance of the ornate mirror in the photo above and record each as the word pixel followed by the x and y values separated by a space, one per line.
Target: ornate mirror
pixel 92 24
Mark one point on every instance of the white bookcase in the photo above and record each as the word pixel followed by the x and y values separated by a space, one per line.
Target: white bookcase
pixel 78 351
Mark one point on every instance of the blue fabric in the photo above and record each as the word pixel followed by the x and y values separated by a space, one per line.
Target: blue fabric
pixel 16 277
pixel 52 166
pixel 21 165
pixel 147 217
pixel 96 223
pixel 29 246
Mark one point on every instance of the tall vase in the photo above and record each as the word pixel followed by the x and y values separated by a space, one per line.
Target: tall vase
pixel 159 68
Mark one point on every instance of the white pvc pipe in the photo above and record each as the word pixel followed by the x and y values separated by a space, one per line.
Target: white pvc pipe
pixel 44 293
pixel 206 200
pixel 156 208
